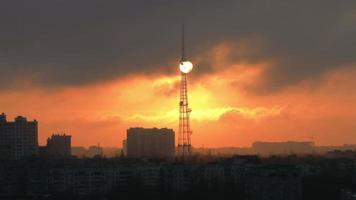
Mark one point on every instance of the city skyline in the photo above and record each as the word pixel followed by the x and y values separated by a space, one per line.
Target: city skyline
pixel 273 71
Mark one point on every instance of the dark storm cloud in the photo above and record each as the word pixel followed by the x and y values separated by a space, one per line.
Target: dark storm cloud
pixel 73 42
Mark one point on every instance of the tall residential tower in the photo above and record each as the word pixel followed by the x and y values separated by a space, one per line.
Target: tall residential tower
pixel 18 139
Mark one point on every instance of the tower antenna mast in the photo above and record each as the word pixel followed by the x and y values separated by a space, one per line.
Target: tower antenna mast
pixel 184 143
pixel 183 44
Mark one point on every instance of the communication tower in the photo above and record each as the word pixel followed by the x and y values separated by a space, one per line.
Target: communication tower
pixel 184 131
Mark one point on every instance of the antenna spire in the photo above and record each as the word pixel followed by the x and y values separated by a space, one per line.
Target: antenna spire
pixel 184 131
pixel 183 44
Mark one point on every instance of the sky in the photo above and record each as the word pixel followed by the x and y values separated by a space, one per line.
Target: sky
pixel 263 70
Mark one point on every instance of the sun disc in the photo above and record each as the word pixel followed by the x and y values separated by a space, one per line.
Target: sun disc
pixel 186 66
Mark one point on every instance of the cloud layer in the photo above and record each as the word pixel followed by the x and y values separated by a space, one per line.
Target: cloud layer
pixel 66 43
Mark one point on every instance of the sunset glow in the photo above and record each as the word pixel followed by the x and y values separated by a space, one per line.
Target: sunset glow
pixel 101 113
pixel 262 72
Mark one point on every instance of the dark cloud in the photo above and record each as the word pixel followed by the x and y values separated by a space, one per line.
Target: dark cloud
pixel 59 43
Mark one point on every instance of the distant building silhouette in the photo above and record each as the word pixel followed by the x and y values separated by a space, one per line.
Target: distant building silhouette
pixel 59 145
pixel 150 143
pixel 124 147
pixel 289 147
pixel 95 151
pixel 18 139
pixel 79 151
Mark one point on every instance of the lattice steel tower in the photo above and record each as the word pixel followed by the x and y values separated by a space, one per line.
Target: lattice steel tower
pixel 184 142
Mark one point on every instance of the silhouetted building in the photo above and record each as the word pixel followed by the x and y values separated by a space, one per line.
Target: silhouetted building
pixel 124 147
pixel 274 183
pixel 42 151
pixel 95 151
pixel 341 154
pixel 110 152
pixel 348 194
pixel 149 176
pixel 150 143
pixel 79 151
pixel 18 139
pixel 59 145
pixel 290 147
pixel 242 177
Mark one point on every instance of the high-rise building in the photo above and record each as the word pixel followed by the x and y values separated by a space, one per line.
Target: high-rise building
pixel 59 145
pixel 18 139
pixel 150 143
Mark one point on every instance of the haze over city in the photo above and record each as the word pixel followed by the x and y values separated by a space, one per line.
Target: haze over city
pixel 262 72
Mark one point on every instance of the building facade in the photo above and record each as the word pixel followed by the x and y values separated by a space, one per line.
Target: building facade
pixel 18 139
pixel 150 143
pixel 59 145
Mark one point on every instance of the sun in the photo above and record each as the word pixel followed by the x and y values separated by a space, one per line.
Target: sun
pixel 185 66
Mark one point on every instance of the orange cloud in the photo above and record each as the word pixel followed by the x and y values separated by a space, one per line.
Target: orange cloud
pixel 224 113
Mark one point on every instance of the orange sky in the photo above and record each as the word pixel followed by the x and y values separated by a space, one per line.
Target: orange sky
pixel 225 112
